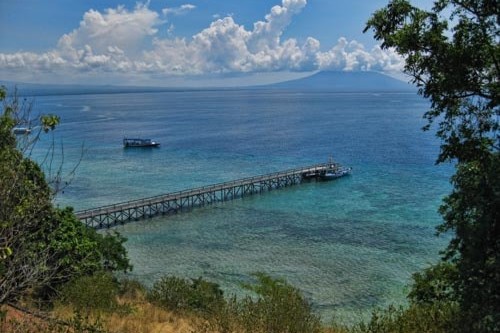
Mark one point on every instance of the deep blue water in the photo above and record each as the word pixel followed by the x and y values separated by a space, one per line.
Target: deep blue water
pixel 349 245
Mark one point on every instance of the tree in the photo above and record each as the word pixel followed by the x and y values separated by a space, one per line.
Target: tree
pixel 452 55
pixel 75 250
pixel 24 201
pixel 42 246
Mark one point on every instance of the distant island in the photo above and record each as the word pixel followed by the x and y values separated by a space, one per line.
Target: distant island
pixel 334 81
pixel 338 81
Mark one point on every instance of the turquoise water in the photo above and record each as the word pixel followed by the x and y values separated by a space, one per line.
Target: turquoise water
pixel 349 245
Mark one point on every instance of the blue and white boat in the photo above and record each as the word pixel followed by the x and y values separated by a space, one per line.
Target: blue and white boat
pixel 21 130
pixel 335 172
pixel 135 142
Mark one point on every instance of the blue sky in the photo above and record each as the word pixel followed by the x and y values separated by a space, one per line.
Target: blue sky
pixel 186 42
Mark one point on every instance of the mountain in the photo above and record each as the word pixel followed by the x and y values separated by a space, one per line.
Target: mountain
pixel 321 81
pixel 346 82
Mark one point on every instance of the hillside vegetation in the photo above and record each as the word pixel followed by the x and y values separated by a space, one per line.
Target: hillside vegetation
pixel 63 272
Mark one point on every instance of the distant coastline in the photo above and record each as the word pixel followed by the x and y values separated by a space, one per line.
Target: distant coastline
pixel 340 82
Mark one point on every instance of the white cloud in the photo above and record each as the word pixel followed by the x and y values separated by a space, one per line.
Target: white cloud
pixel 171 29
pixel 116 27
pixel 178 10
pixel 352 55
pixel 267 34
pixel 124 43
pixel 35 61
pixel 226 46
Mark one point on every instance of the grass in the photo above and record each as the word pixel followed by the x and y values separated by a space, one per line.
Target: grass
pixel 141 316
pixel 176 305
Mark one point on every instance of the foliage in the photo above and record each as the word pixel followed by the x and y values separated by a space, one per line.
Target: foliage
pixel 112 250
pixel 76 250
pixel 454 60
pixel 84 324
pixel 275 307
pixel 49 122
pixel 132 289
pixel 25 200
pixel 71 247
pixel 179 294
pixel 91 292
pixel 437 317
pixel 434 284
pixel 41 246
pixel 278 307
pixel 473 211
pixel 458 73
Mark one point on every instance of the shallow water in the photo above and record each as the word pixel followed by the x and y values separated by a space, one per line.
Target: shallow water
pixel 349 244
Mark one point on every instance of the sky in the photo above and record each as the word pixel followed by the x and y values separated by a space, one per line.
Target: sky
pixel 187 42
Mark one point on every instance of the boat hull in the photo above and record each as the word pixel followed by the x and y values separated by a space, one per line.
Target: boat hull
pixel 334 174
pixel 139 143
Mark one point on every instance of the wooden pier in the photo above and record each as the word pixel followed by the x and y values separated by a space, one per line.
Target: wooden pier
pixel 117 214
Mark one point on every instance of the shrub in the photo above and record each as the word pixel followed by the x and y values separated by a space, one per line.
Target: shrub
pixel 94 292
pixel 177 294
pixel 278 307
pixel 438 317
pixel 434 284
pixel 132 289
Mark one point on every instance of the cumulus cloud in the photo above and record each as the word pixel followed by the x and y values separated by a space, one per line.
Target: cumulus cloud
pixel 352 56
pixel 267 34
pixel 127 41
pixel 115 27
pixel 226 46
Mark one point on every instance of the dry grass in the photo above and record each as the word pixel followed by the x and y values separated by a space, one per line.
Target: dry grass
pixel 142 317
pixel 148 319
pixel 19 322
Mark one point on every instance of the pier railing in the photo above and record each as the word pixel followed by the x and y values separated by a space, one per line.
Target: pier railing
pixel 120 213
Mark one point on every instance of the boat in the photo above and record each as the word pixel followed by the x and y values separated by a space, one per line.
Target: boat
pixel 21 130
pixel 335 172
pixel 135 142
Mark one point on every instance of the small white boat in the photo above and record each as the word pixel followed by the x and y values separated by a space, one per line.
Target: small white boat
pixel 335 172
pixel 21 130
pixel 135 142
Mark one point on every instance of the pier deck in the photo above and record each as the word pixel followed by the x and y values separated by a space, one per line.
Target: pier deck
pixel 112 215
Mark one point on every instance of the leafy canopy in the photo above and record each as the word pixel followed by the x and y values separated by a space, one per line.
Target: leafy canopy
pixel 452 55
pixel 42 246
pixel 455 63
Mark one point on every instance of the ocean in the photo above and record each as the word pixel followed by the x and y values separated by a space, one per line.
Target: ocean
pixel 349 245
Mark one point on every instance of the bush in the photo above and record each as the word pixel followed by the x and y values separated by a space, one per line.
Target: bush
pixel 275 308
pixel 278 307
pixel 177 294
pixel 95 292
pixel 438 317
pixel 132 289
pixel 434 284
